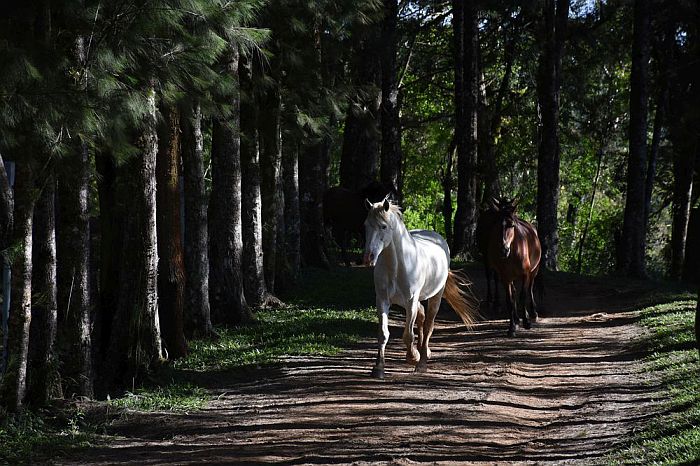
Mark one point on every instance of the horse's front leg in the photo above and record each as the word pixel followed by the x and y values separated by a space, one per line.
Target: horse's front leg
pixel 495 289
pixel 431 312
pixel 383 337
pixel 511 305
pixel 412 355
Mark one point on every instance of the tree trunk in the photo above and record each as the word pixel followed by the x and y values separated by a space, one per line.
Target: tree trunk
pixel 391 155
pixel 311 186
pixel 226 297
pixel 292 215
pixel 13 383
pixel 42 374
pixel 171 267
pixel 135 346
pixel 198 314
pixel 6 207
pixel 633 229
pixel 447 185
pixel 659 118
pixel 490 121
pixel 555 16
pixel 251 203
pixel 466 103
pixel 74 304
pixel 111 241
pixel 359 160
pixel 270 136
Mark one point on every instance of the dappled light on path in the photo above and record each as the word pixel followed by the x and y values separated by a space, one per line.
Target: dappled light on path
pixel 570 389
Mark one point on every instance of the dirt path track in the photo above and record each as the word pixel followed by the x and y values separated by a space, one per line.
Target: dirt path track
pixel 569 390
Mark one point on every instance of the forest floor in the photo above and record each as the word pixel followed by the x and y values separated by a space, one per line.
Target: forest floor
pixel 571 389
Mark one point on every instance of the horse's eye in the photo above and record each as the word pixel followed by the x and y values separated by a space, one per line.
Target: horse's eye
pixel 383 227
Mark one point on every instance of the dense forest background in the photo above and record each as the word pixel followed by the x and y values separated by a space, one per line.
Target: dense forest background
pixel 164 162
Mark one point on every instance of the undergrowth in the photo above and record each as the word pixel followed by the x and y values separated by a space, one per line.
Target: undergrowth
pixel 674 436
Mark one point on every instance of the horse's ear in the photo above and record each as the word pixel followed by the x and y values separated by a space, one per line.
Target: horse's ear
pixel 494 204
pixel 368 204
pixel 386 204
pixel 515 203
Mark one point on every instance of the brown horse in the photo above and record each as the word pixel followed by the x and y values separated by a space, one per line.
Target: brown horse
pixel 344 212
pixel 514 251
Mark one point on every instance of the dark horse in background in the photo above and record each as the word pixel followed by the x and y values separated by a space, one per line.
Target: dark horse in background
pixel 345 211
pixel 487 219
pixel 514 252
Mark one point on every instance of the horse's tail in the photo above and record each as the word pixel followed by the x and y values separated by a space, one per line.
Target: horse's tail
pixel 458 296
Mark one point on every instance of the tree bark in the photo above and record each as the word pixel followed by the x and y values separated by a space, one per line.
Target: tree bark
pixel 555 16
pixel 42 374
pixel 226 297
pixel 135 346
pixel 311 186
pixel 13 383
pixel 447 186
pixel 111 241
pixel 270 136
pixel 251 202
pixel 171 267
pixel 466 108
pixel 292 215
pixel 633 229
pixel 6 207
pixel 198 313
pixel 391 155
pixel 73 252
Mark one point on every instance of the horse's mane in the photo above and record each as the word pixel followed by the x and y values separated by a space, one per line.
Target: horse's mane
pixel 378 213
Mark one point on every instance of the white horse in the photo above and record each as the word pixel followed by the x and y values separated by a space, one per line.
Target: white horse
pixel 410 267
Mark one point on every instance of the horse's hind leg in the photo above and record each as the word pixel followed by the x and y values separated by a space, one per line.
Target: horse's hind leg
pixel 420 319
pixel 524 302
pixel 382 337
pixel 412 355
pixel 511 305
pixel 533 304
pixel 433 308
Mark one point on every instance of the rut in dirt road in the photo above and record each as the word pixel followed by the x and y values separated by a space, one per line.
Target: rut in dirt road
pixel 570 389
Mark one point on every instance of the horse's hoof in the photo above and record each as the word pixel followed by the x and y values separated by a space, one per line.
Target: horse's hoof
pixel 511 333
pixel 421 368
pixel 378 372
pixel 413 357
pixel 534 317
pixel 527 324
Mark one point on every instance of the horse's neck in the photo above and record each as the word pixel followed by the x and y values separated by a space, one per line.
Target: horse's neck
pixel 402 248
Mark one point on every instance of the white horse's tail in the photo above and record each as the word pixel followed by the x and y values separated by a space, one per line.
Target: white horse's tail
pixel 459 297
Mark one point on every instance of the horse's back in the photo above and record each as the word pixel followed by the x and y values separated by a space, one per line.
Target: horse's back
pixel 431 238
pixel 531 242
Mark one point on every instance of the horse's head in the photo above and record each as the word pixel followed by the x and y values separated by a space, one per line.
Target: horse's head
pixel 506 224
pixel 382 220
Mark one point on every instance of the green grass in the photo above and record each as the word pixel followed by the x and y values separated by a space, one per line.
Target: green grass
pixel 280 333
pixel 30 438
pixel 674 437
pixel 177 396
pixel 328 312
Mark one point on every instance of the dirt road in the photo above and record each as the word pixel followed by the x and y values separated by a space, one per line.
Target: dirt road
pixel 569 390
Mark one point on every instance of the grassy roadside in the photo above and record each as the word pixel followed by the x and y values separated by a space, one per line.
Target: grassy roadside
pixel 329 311
pixel 673 437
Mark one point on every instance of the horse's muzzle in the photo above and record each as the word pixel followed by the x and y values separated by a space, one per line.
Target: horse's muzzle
pixel 506 252
pixel 368 259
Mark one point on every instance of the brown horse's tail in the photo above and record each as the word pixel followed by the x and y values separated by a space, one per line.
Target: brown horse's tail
pixel 459 297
